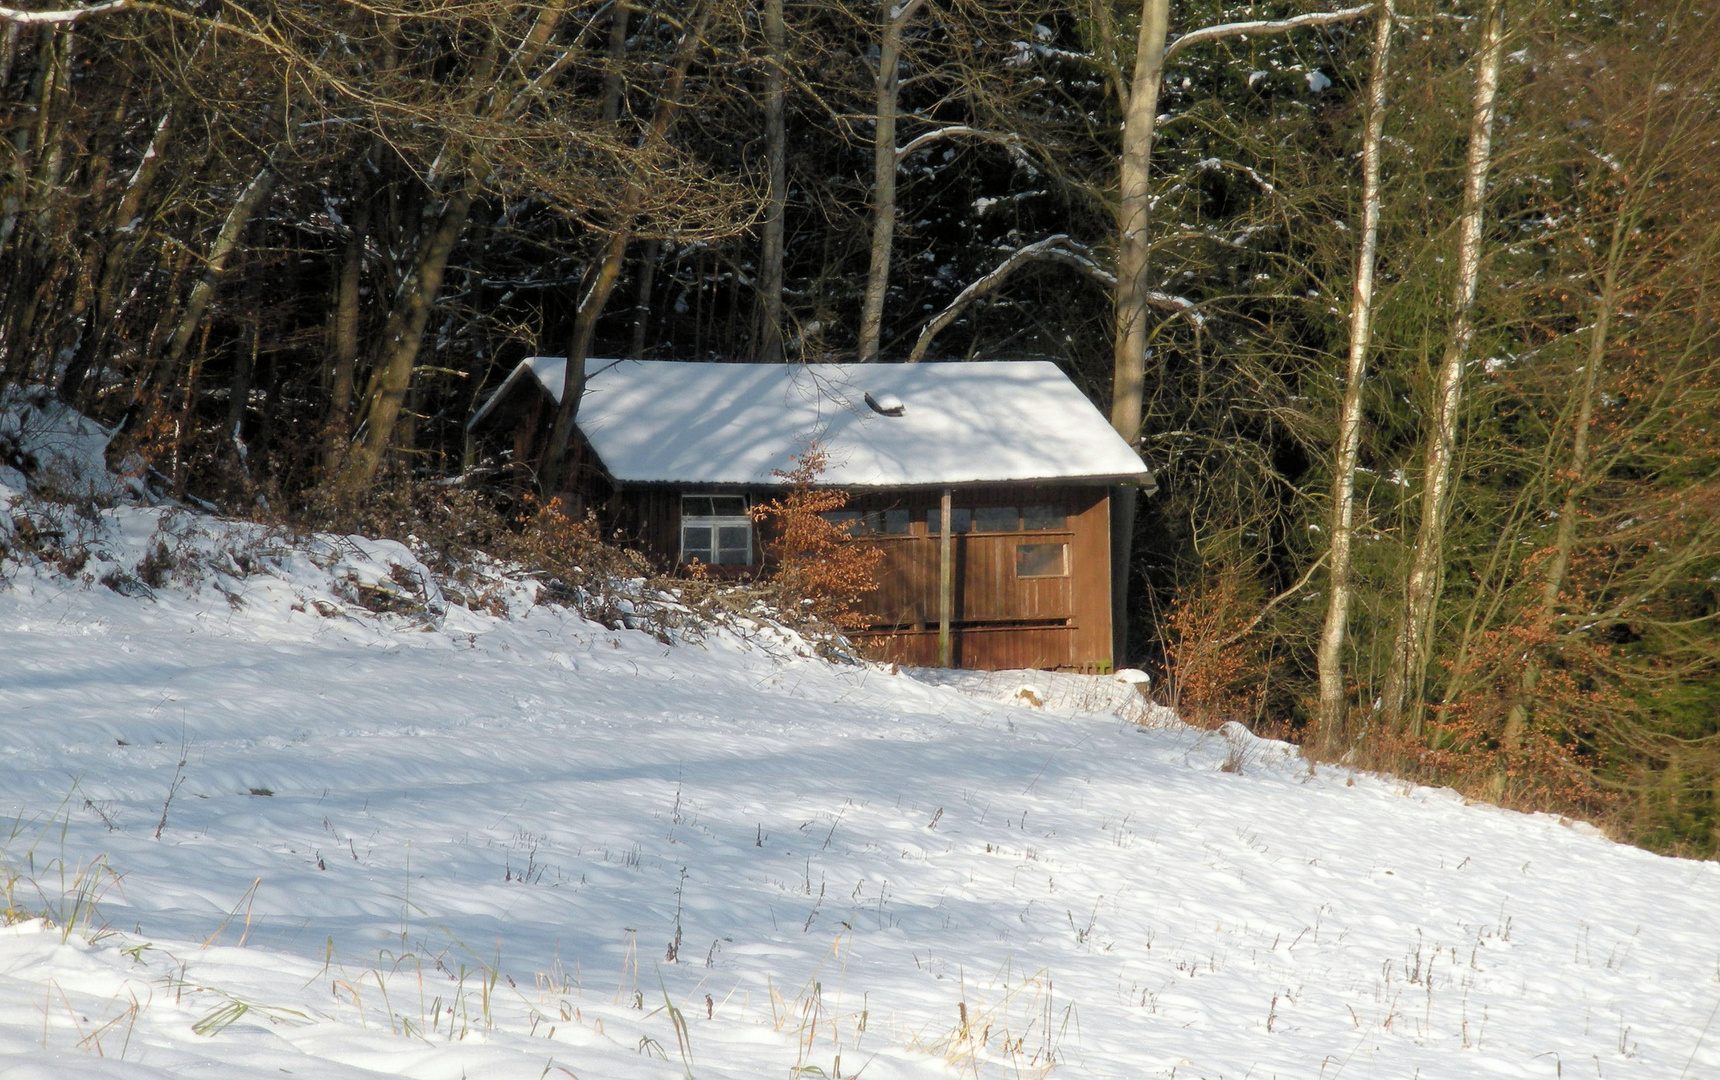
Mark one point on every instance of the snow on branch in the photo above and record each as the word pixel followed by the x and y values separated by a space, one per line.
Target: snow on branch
pixel 920 142
pixel 66 15
pixel 1265 26
pixel 1058 248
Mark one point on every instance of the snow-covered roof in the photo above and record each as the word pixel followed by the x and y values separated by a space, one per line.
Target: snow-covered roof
pixel 658 421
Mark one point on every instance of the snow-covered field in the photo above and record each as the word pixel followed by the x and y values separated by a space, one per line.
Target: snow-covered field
pixel 461 845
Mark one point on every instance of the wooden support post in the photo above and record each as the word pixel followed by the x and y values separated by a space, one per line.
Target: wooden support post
pixel 946 584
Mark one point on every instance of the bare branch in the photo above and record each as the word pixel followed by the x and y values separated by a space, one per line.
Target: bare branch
pixel 920 142
pixel 1058 248
pixel 1265 27
pixel 65 16
pixel 1272 603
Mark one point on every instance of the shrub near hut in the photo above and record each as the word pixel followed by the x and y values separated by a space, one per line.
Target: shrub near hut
pixel 816 559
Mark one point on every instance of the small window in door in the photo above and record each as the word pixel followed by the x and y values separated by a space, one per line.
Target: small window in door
pixel 1041 560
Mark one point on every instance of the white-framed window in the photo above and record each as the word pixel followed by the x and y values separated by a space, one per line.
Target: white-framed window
pixel 716 530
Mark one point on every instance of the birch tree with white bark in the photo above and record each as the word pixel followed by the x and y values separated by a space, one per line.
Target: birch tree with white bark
pixel 1423 577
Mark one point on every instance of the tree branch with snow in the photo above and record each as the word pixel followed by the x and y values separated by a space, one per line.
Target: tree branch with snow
pixel 65 15
pixel 1059 248
pixel 1265 27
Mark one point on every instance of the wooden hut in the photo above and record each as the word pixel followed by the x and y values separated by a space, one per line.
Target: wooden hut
pixel 987 484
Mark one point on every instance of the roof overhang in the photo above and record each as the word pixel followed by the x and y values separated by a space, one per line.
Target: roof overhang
pixel 968 424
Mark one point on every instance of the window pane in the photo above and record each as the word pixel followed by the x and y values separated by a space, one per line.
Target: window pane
pixel 961 521
pixel 695 506
pixel 996 519
pixel 728 505
pixel 849 521
pixel 896 521
pixel 696 543
pixel 1040 560
pixel 1045 517
pixel 734 545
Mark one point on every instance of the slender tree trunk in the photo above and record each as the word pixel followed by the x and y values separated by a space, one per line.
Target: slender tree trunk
pixel 886 91
pixel 343 357
pixel 239 215
pixel 1564 537
pixel 768 346
pixel 18 173
pixel 614 85
pixel 123 227
pixel 608 270
pixel 245 371
pixel 31 167
pixel 50 138
pixel 1342 526
pixel 401 339
pixel 1134 293
pixel 403 334
pixel 1421 584
pixel 642 305
pixel 9 51
pixel 1129 362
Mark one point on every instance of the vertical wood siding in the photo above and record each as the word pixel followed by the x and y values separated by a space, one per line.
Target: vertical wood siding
pixel 1000 620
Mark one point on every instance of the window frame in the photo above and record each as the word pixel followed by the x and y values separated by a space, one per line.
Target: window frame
pixel 715 523
pixel 1063 568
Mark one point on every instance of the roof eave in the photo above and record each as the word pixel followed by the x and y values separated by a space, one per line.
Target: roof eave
pixel 1143 480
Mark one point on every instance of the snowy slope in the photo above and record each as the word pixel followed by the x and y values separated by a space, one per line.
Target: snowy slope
pixel 449 844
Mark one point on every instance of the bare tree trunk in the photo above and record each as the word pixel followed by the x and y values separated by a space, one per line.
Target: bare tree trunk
pixel 401 339
pixel 642 304
pixel 245 370
pixel 123 226
pixel 343 358
pixel 1134 295
pixel 613 83
pixel 1129 362
pixel 33 172
pixel 1333 705
pixel 415 299
pixel 1421 585
pixel 887 89
pixel 239 215
pixel 608 270
pixel 1564 538
pixel 9 51
pixel 614 86
pixel 50 135
pixel 43 84
pixel 768 347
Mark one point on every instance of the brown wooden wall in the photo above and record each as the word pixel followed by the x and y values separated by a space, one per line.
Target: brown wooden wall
pixel 999 620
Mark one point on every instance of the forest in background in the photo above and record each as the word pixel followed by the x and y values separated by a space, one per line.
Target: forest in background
pixel 1409 306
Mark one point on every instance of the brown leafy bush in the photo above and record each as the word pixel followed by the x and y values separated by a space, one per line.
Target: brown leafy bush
pixel 816 559
pixel 1217 672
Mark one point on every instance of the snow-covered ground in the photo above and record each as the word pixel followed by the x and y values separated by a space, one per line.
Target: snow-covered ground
pixel 446 844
